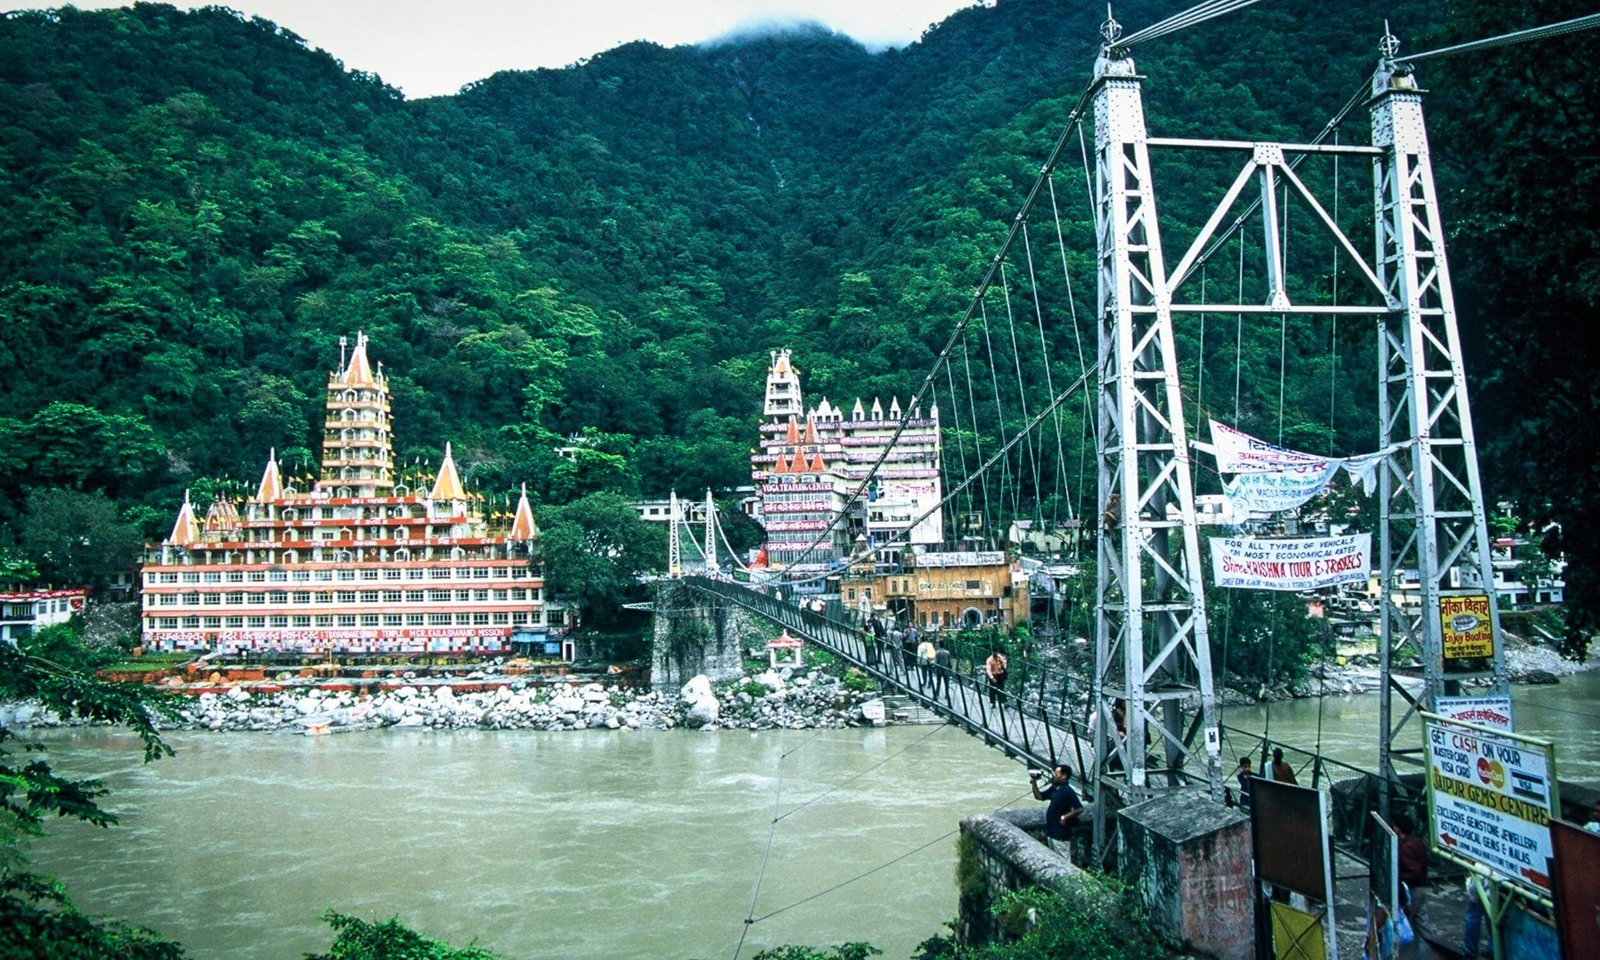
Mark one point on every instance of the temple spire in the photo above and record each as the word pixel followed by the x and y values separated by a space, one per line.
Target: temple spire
pixel 271 487
pixel 448 486
pixel 186 531
pixel 358 372
pixel 523 527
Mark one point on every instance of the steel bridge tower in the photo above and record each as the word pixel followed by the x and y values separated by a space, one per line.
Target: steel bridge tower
pixel 1152 653
pixel 1432 518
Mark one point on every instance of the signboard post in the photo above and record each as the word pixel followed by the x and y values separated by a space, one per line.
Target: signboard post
pixel 1467 627
pixel 1491 794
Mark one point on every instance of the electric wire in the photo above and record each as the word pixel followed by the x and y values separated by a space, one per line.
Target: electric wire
pixel 1032 449
pixel 772 831
pixel 852 779
pixel 867 873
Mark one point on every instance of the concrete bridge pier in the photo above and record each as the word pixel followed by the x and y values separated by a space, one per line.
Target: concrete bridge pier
pixel 694 632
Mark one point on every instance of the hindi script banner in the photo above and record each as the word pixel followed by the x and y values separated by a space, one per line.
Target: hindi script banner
pixel 1291 564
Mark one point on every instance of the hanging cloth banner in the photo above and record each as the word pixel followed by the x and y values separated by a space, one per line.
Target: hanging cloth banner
pixel 1238 452
pixel 1292 565
pixel 1250 493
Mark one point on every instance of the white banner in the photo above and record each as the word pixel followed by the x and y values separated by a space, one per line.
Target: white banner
pixel 1491 800
pixel 1484 711
pixel 1238 452
pixel 1292 565
pixel 1281 490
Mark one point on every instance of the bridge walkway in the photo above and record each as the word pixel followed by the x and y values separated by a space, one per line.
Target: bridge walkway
pixel 1024 726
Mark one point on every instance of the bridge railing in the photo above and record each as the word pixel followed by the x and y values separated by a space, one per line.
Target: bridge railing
pixel 1023 724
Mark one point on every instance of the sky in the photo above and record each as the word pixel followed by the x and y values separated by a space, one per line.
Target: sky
pixel 427 47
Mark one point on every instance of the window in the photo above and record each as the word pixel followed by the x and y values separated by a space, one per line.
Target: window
pixel 257 576
pixel 302 596
pixel 191 623
pixel 345 596
pixel 191 577
pixel 256 623
pixel 211 599
pixel 233 623
pixel 480 573
pixel 462 596
pixel 212 576
pixel 212 623
pixel 277 597
pixel 346 574
pixel 324 620
pixel 519 594
pixel 234 599
pixel 235 576
pixel 480 595
pixel 278 621
pixel 369 596
pixel 391 573
pixel 520 617
pixel 501 619
pixel 168 623
pixel 300 576
pixel 439 619
pixel 501 594
pixel 347 619
pixel 480 619
pixel 974 585
pixel 302 620
pixel 369 619
pixel 439 596
pixel 393 619
pixel 415 619
pixel 392 596
pixel 169 577
pixel 369 573
pixel 415 596
pixel 255 599
pixel 415 573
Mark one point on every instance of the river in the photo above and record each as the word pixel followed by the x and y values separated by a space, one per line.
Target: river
pixel 603 844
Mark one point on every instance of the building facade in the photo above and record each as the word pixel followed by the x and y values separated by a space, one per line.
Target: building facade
pixel 941 590
pixel 24 611
pixel 812 459
pixel 362 560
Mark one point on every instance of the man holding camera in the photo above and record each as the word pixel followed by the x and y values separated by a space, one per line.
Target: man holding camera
pixel 1061 817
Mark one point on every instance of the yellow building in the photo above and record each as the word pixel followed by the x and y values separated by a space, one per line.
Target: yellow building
pixel 942 590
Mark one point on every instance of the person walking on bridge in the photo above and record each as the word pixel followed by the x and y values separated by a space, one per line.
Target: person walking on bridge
pixel 941 669
pixel 1061 817
pixel 995 669
pixel 925 659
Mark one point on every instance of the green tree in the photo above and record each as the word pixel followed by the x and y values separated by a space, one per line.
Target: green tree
pixel 595 550
pixel 36 917
pixel 77 538
pixel 390 939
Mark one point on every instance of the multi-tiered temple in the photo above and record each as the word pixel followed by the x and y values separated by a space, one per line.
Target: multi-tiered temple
pixel 362 562
pixel 812 459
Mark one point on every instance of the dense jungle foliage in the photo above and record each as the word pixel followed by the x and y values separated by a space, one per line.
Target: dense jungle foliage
pixel 195 206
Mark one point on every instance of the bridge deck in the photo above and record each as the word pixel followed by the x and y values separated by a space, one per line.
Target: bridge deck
pixel 1023 727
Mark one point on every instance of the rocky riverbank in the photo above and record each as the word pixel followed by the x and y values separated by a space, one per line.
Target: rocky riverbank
pixel 792 699
pixel 1526 662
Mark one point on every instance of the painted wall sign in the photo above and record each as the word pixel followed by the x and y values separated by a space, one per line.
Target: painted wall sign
pixel 1484 711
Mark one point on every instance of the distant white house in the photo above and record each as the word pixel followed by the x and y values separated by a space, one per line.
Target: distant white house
pixel 24 611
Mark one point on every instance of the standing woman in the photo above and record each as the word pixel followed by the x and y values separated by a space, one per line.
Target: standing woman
pixel 995 668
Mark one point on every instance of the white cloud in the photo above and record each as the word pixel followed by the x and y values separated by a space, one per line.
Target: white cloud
pixel 427 48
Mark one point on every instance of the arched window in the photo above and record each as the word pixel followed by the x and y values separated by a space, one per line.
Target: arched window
pixel 402 555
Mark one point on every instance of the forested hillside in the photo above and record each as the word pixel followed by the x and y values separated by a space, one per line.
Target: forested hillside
pixel 194 207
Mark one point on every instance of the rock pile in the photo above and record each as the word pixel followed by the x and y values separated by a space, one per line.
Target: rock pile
pixel 792 699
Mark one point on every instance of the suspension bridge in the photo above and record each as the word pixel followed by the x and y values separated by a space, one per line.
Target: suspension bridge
pixel 1031 398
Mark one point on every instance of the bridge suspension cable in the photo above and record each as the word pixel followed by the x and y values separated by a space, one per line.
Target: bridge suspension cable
pixel 1194 16
pixel 1565 27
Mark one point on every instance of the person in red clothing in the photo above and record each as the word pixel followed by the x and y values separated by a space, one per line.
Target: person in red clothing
pixel 1413 856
